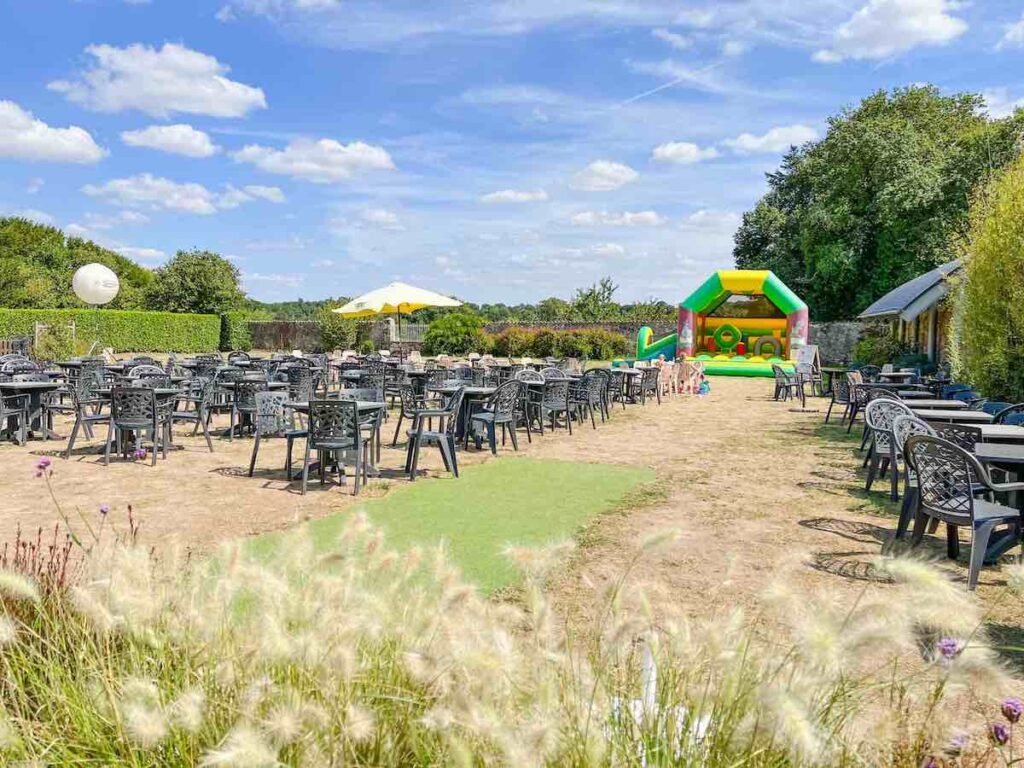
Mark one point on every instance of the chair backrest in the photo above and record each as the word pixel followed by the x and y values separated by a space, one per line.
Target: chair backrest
pixel 142 360
pixel 366 394
pixel 840 389
pixel 452 407
pixel 948 390
pixel 461 373
pixel 781 377
pixel 30 377
pixel 887 368
pixel 333 424
pixel 238 355
pixel 20 365
pixel 552 373
pixel 556 393
pixel 504 399
pixel 246 391
pixel 300 383
pixel 904 427
pixel 994 407
pixel 153 382
pixel 965 436
pixel 229 373
pixel 870 372
pixel 269 417
pixel 650 379
pixel 141 371
pixel 878 393
pixel 946 474
pixel 879 416
pixel 133 407
pixel 528 375
pixel 1011 415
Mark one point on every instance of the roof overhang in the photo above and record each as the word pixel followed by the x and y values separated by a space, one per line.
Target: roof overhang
pixel 908 301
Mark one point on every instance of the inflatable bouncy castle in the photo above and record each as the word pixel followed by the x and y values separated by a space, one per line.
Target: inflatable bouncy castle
pixel 738 323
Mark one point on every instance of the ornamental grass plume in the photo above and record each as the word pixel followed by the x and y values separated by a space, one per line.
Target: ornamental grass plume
pixel 362 656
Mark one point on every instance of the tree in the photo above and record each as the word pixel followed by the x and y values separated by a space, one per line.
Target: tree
pixel 881 199
pixel 455 333
pixel 196 281
pixel 596 303
pixel 553 308
pixel 990 310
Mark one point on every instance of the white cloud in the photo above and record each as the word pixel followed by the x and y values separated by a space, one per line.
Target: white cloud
pixel 324 161
pixel 1013 36
pixel 155 193
pixel 274 278
pixel 381 218
pixel 608 249
pixel 778 139
pixel 721 222
pixel 623 219
pixel 734 48
pixel 159 82
pixel 999 103
pixel 683 153
pixel 23 137
pixel 32 214
pixel 293 243
pixel 99 221
pixel 885 28
pixel 677 41
pixel 515 196
pixel 141 254
pixel 323 263
pixel 177 139
pixel 34 185
pixel 699 18
pixel 604 176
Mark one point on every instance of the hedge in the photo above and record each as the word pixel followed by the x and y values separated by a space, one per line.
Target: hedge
pixel 593 343
pixel 125 331
pixel 234 328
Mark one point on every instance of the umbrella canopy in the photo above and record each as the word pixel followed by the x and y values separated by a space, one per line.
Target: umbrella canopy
pixel 395 298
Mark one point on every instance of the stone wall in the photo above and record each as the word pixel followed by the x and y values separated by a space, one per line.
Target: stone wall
pixel 835 340
pixel 628 330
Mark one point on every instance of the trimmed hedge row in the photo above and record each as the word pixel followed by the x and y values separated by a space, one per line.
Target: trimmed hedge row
pixel 125 331
pixel 595 343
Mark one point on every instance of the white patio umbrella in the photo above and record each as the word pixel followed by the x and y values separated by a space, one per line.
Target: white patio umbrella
pixel 395 299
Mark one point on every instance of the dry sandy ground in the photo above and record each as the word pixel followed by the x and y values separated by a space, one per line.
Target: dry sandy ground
pixel 753 487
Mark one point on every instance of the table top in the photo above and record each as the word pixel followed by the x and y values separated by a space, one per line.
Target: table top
pixel 270 384
pixel 160 391
pixel 897 374
pixel 1007 453
pixel 937 405
pixel 468 391
pixel 1003 433
pixel 920 394
pixel 361 405
pixel 28 385
pixel 955 417
pixel 834 369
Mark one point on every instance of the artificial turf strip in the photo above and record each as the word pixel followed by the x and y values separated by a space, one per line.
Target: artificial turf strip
pixel 512 501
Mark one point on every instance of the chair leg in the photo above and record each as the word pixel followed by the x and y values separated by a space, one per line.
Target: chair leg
pixel 894 469
pixel 415 458
pixel 71 439
pixel 110 440
pixel 492 437
pixel 454 454
pixel 398 428
pixel 906 511
pixel 443 447
pixel 360 465
pixel 872 473
pixel 206 433
pixel 920 524
pixel 255 450
pixel 305 469
pixel 952 542
pixel 828 413
pixel 231 427
pixel 979 543
pixel 512 432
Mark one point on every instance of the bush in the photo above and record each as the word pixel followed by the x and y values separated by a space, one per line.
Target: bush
pixel 878 346
pixel 336 332
pixel 992 311
pixel 234 328
pixel 124 331
pixel 367 347
pixel 457 333
pixel 591 343
pixel 513 342
pixel 58 343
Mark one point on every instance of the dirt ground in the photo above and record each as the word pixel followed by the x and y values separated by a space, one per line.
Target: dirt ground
pixel 753 487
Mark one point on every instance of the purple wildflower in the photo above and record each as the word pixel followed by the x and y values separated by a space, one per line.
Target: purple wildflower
pixel 1012 709
pixel 958 744
pixel 140 453
pixel 930 762
pixel 999 733
pixel 949 647
pixel 42 465
pixel 104 509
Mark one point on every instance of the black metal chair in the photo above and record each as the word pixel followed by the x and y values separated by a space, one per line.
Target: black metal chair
pixel 86 406
pixel 200 396
pixel 423 433
pixel 334 428
pixel 885 454
pixel 786 386
pixel 903 428
pixel 585 396
pixel 946 479
pixel 243 404
pixel 14 416
pixel 1013 415
pixel 411 402
pixel 499 410
pixel 554 402
pixel 133 410
pixel 840 396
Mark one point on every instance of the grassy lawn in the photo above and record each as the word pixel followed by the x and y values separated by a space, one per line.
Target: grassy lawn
pixel 512 501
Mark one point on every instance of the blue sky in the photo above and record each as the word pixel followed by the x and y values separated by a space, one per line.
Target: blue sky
pixel 499 151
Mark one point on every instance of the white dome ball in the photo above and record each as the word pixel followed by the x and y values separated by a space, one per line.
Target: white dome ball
pixel 95 284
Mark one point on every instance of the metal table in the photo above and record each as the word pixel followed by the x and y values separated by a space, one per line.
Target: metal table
pixel 953 417
pixel 937 405
pixel 470 395
pixel 362 406
pixel 1009 457
pixel 1001 433
pixel 35 391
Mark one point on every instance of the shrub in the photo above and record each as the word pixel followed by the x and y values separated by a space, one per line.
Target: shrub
pixel 336 332
pixel 878 346
pixel 592 343
pixel 366 347
pixel 124 331
pixel 456 333
pixel 58 343
pixel 992 334
pixel 513 342
pixel 234 328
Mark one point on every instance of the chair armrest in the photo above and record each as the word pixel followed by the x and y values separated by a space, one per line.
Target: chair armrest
pixel 429 414
pixel 1005 487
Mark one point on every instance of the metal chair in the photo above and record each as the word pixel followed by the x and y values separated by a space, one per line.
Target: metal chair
pixel 879 416
pixel 411 402
pixel 14 415
pixel 243 404
pixel 86 406
pixel 200 395
pixel 904 427
pixel 555 401
pixel 650 383
pixel 133 410
pixel 840 396
pixel 786 386
pixel 946 479
pixel 499 410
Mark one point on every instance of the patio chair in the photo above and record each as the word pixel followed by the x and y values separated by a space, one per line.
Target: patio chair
pixel 650 384
pixel 607 383
pixel 840 396
pixel 554 402
pixel 334 428
pixel 86 407
pixel 444 436
pixel 552 373
pixel 994 407
pixel 411 402
pixel 786 386
pixel 616 388
pixel 370 421
pixel 145 369
pixel 904 427
pixel 585 396
pixel 879 416
pixel 134 410
pixel 946 479
pixel 200 395
pixel 243 405
pixel 527 410
pixel 948 390
pixel 870 373
pixel 499 410
pixel 14 416
pixel 19 366
pixel 964 436
pixel 869 394
pixel 238 357
pixel 270 419
pixel 300 383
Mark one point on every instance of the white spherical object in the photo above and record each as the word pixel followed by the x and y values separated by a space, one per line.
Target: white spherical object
pixel 95 284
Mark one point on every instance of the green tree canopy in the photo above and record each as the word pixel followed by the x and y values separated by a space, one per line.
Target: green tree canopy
pixel 881 199
pixel 37 263
pixel 196 281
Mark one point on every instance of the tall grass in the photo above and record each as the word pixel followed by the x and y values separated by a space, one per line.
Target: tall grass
pixel 366 656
